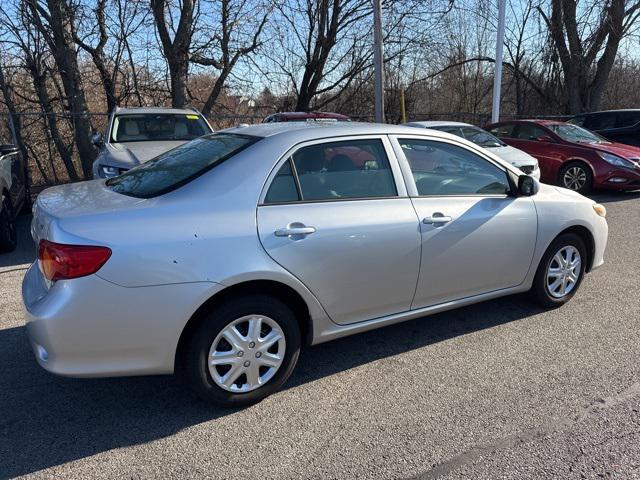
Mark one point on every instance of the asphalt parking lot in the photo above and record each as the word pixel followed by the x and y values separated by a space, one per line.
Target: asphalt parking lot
pixel 497 390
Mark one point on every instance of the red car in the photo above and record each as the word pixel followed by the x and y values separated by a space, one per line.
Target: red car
pixel 306 117
pixel 571 156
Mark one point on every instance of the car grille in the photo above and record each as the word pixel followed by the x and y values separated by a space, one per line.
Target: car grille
pixel 528 169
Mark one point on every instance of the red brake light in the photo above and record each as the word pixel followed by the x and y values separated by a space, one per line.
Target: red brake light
pixel 62 262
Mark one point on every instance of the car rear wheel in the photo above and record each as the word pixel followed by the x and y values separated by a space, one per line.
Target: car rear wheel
pixel 560 271
pixel 8 235
pixel 576 176
pixel 244 350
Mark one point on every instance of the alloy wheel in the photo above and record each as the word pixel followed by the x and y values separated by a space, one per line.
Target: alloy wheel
pixel 574 178
pixel 247 353
pixel 564 271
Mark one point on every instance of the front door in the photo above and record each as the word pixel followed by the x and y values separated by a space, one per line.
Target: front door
pixel 475 237
pixel 337 217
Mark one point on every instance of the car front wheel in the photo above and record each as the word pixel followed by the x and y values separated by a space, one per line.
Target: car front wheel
pixel 560 271
pixel 576 176
pixel 244 350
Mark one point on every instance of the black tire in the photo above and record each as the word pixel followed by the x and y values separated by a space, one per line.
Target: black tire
pixel 196 357
pixel 582 171
pixel 539 290
pixel 8 234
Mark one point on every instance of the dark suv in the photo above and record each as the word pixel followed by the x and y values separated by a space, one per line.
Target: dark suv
pixel 15 194
pixel 622 126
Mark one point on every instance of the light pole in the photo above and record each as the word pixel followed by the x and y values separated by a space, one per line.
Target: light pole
pixel 497 72
pixel 378 61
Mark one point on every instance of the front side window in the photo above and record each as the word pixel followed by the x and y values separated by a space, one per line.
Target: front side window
pixel 334 171
pixel 443 169
pixel 158 127
pixel 627 119
pixel 179 166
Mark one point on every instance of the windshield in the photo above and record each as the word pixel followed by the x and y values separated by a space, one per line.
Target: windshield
pixel 481 138
pixel 473 134
pixel 574 133
pixel 179 166
pixel 158 127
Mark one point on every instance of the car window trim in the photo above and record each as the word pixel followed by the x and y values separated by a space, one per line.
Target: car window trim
pixel 396 172
pixel 407 174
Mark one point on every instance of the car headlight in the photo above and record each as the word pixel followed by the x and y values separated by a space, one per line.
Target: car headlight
pixel 109 172
pixel 615 160
pixel 599 209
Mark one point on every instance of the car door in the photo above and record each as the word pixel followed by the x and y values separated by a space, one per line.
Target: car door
pixel 336 215
pixel 476 238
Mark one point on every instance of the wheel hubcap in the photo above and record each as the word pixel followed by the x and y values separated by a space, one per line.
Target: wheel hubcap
pixel 575 178
pixel 247 353
pixel 563 271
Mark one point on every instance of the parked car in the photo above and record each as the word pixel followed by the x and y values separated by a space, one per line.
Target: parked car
pixel 515 157
pixel 622 126
pixel 136 135
pixel 571 156
pixel 15 194
pixel 305 117
pixel 222 257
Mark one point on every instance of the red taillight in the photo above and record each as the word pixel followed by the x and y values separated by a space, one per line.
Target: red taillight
pixel 62 262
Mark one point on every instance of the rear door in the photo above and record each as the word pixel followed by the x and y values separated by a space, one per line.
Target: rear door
pixel 475 237
pixel 336 215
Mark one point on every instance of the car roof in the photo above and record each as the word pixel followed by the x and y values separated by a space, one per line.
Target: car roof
pixel 301 131
pixel 438 123
pixel 539 121
pixel 618 110
pixel 303 115
pixel 155 110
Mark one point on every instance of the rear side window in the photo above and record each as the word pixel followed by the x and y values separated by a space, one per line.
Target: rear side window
pixel 283 188
pixel 601 121
pixel 526 131
pixel 334 171
pixel 503 131
pixel 179 166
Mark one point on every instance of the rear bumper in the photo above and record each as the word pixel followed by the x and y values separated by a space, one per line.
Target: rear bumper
pixel 89 327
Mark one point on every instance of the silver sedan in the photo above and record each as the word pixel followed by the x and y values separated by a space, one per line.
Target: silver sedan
pixel 224 256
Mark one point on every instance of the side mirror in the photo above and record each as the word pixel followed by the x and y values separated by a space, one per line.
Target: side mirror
pixel 97 140
pixel 8 149
pixel 545 139
pixel 527 186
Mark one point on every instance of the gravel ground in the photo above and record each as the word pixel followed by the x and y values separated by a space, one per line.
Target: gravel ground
pixel 497 390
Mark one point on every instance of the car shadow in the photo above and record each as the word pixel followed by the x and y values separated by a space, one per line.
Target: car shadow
pixel 25 251
pixel 48 420
pixel 602 196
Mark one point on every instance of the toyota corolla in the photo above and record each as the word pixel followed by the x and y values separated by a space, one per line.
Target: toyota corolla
pixel 224 256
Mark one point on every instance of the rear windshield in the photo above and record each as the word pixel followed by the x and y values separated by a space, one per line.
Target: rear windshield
pixel 158 127
pixel 179 166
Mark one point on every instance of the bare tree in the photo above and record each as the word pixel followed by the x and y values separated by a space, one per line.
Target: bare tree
pixel 54 19
pixel 176 49
pixel 587 48
pixel 233 37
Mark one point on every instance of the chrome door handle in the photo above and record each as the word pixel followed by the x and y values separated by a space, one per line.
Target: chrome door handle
pixel 289 231
pixel 435 220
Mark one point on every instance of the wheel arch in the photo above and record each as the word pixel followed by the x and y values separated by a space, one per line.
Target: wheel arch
pixel 575 160
pixel 279 290
pixel 587 237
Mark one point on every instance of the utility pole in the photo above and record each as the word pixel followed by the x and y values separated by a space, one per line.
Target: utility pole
pixel 378 61
pixel 497 72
